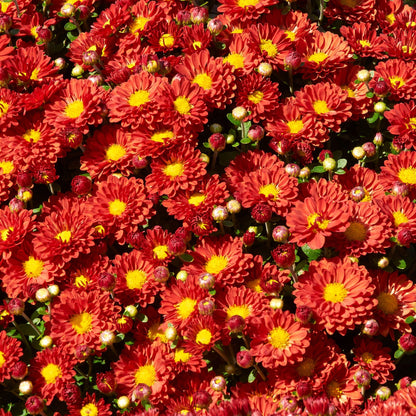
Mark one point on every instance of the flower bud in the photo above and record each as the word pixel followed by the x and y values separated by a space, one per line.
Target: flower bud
pixel 26 387
pixel 303 389
pixel 304 173
pixel 71 394
pixel 262 213
pixel 400 189
pixel 236 324
pixel 293 60
pixel 215 26
pixel 34 404
pixel 83 12
pixel 255 133
pixel 219 213
pixel 276 303
pixel 357 193
pixel 82 352
pixel 381 88
pixel 182 275
pixel 206 306
pixel 141 392
pixel 60 63
pixel 304 314
pixel 284 255
pixel 233 206
pixel 407 342
pixel 44 34
pixel 16 306
pixel 405 237
pixel 42 295
pixel 201 399
pixel 217 142
pixel 369 149
pixel 363 75
pixel 239 113
pixel 131 311
pixel 24 179
pixel 218 383
pixel 171 333
pixel 106 382
pixel 383 262
pixel 106 281
pixel 371 327
pixel 404 382
pixel 67 10
pixel 199 15
pixel 292 169
pixel 183 17
pixel 24 194
pixel 6 22
pixel 16 205
pixel 139 162
pixel 206 281
pixel 380 107
pixel 77 71
pixel 176 245
pixel 383 392
pixel 288 403
pixel 329 164
pixel 53 290
pixel 161 274
pixel 20 370
pixel 107 337
pixel 249 238
pixel 244 359
pixel 124 324
pixel 123 402
pixel 362 377
pixel 265 69
pixel 378 139
pixel 358 153
pixel 280 234
pixel 46 341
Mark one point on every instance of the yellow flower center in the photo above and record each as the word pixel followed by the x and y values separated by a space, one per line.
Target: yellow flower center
pixel 34 74
pixel 115 152
pixel 139 98
pixel 181 355
pixel 2 359
pixel 365 43
pixel 161 252
pixel 50 373
pixel 5 233
pixel 204 336
pixel 116 207
pixel 247 3
pixel 235 59
pixel 391 18
pixel 146 374
pixel 6 166
pixel 173 170
pixel 255 97
pixel 295 126
pixel 182 105
pixel 396 82
pixel 266 45
pixel 203 80
pixel 407 175
pixel 32 267
pixel 64 236
pixel 196 199
pixel 407 49
pixel 196 44
pixel 270 189
pixel 216 264
pixel 333 389
pixel 279 338
pixel 320 107
pixel 367 357
pixel 81 322
pixel 138 24
pixel 166 40
pixel 387 303
pixel 242 310
pixel 399 218
pixel 356 232
pixel 32 136
pixel 161 136
pixel 306 367
pixel 316 220
pixel 317 57
pixel 290 35
pixel 135 279
pixel 81 281
pixel 335 292
pixel 89 409
pixel 74 109
pixel 4 107
pixel 350 91
pixel 185 307
pixel 412 123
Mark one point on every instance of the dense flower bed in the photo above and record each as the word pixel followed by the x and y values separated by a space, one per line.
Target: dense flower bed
pixel 207 209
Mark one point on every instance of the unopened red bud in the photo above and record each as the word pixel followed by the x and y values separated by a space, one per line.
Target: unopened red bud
pixel 5 22
pixel 206 306
pixel 217 142
pixel 71 394
pixel 381 88
pixel 206 281
pixel 201 399
pixel 16 205
pixel 215 26
pixel 248 238
pixel 218 383
pixel 24 179
pixel 44 34
pixel 371 327
pixel 280 234
pixel 378 139
pixel 139 162
pixel 357 193
pixel 236 324
pixel 83 12
pixel 400 189
pixel 82 352
pixel 106 281
pixel 20 370
pixel 323 154
pixel 405 237
pixel 199 15
pixel 404 382
pixel 183 17
pixel 369 149
pixel 292 169
pixel 219 213
pixel 262 213
pixel 141 392
pixel 34 405
pixel 90 57
pixel 303 389
pixel 293 60
pixel 176 245
pixel 16 306
pixel 284 255
pixel 362 377
pixel 81 185
pixel 407 342
pixel 244 359
pixel 304 314
pixel 255 133
pixel 289 403
pixel 106 382
pixel 161 274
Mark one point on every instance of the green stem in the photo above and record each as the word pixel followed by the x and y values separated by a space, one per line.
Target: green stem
pixel 31 324
pixel 22 335
pixel 221 354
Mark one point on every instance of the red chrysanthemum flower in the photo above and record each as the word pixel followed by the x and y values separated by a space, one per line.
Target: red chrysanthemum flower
pixel 402 119
pixel 243 10
pixel 179 168
pixel 91 406
pixel 111 20
pixel 185 361
pixel 9 109
pixel 135 281
pixel 5 51
pixel 313 220
pixel 145 16
pixel 322 189
pixel 240 56
pixel 109 150
pixel 120 204
pixel 401 212
pixel 215 79
pixel 278 340
pixel 327 102
pixel 371 355
pixel 396 296
pixel 339 292
pixel 195 38
pixel 165 36
pixel 144 364
pixel 201 334
pixel 155 247
pixel 50 370
pixel 258 95
pixel 78 318
pixel 10 352
pixel 135 103
pixel 351 11
pixel 401 44
pixel 324 53
pixel 222 257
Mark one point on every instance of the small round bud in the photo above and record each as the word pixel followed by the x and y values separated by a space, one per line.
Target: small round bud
pixel 16 205
pixel 407 343
pixel 380 107
pixel 404 382
pixel 171 333
pixel 215 128
pixel 276 303
pixel 161 274
pixel 206 306
pixel 304 173
pixel 131 311
pixel 204 157
pixel 219 213
pixel 244 359
pixel 83 12
pixel 292 169
pixel 303 389
pixel 60 63
pixel 405 237
pixel 284 255
pixel 280 234
pixel 26 387
pixel 358 153
pixel 182 275
pixel 201 399
pixel 24 179
pixel 369 149
pixel 77 71
pixel 255 133
pixel 34 405
pixel 383 392
pixel 90 58
pixel 6 22
pixel 215 26
pixel 24 194
pixel 141 392
pixel 236 324
pixel 176 245
pixel 248 238
pixel 378 139
pixel 362 377
pixel 42 295
pixel 107 337
pixel 383 262
pixel 371 327
pixel 123 402
pixel 20 370
pixel 16 306
pixel 106 382
pixel 82 352
pixel 265 69
pixel 304 314
pixel 53 290
pixel 233 206
pixel 329 164
pixel 199 15
pixel 206 281
pixel 106 281
pixel 183 17
pixel 381 88
pixel 239 113
pixel 400 189
pixel 140 162
pixel 230 138
pixel 96 79
pixel 262 213
pixel 217 142
pixel 293 60
pixel 357 193
pixel 67 10
pixel 323 154
pixel 46 341
pixel 218 383
pixel 363 75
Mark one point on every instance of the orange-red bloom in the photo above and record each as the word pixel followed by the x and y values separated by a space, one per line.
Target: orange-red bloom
pixel 10 352
pixel 402 119
pixel 243 10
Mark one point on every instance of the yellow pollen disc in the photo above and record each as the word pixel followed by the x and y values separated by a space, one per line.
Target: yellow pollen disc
pixel 2 359
pixel 216 264
pixel 5 233
pixel 196 45
pixel 182 105
pixel 306 367
pixel 290 35
pixel 295 126
pixel 399 218
pixel 161 252
pixel 317 57
pixel 32 136
pixel 203 80
pixel 387 303
pixel 255 97
pixel 173 170
pixel 333 389
pixel 146 374
pixel 407 49
pixel 92 48
pixel 34 74
pixel 320 107
pixel 115 152
pixel 74 109
pixel 6 166
pixel 335 292
pixel 161 136
pixel 32 267
pixel 89 409
pixel 81 281
pixel 50 373
pixel 204 336
pixel 315 220
pixel 356 232
pixel 181 355
pixel 185 307
pixel 407 175
pixel 4 107
pixel 116 207
pixel 139 98
pixel 64 236
pixel 365 43
pixel 396 82
pixel 367 357
pixel 391 18
pixel 270 189
pixel 266 45
pixel 135 279
pixel 279 338
pixel 196 199
pixel 235 59
pixel 350 91
pixel 81 322
pixel 254 285
pixel 412 123
pixel 138 24
pixel 247 3
pixel 242 310
pixel 166 40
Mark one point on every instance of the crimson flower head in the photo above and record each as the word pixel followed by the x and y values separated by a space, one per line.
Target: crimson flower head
pixel 81 185
pixel 106 382
pixel 34 405
pixel 202 399
pixel 217 142
pixel 262 213
pixel 407 342
pixel 317 406
pixel 284 255
pixel 405 237
pixel 248 238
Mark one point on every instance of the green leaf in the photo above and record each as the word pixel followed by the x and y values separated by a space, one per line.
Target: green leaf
pixel 311 253
pixel 232 119
pixel 69 26
pixel 369 94
pixel 373 118
pixel 341 163
pixel 247 125
pixel 70 36
pixel 38 210
pixel 246 140
pixel 400 264
pixel 340 171
pixel 186 257
pixel 354 56
pixel 235 144
pixel 398 354
pixel 252 376
pixel 318 169
pixel 206 145
pixel 410 319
